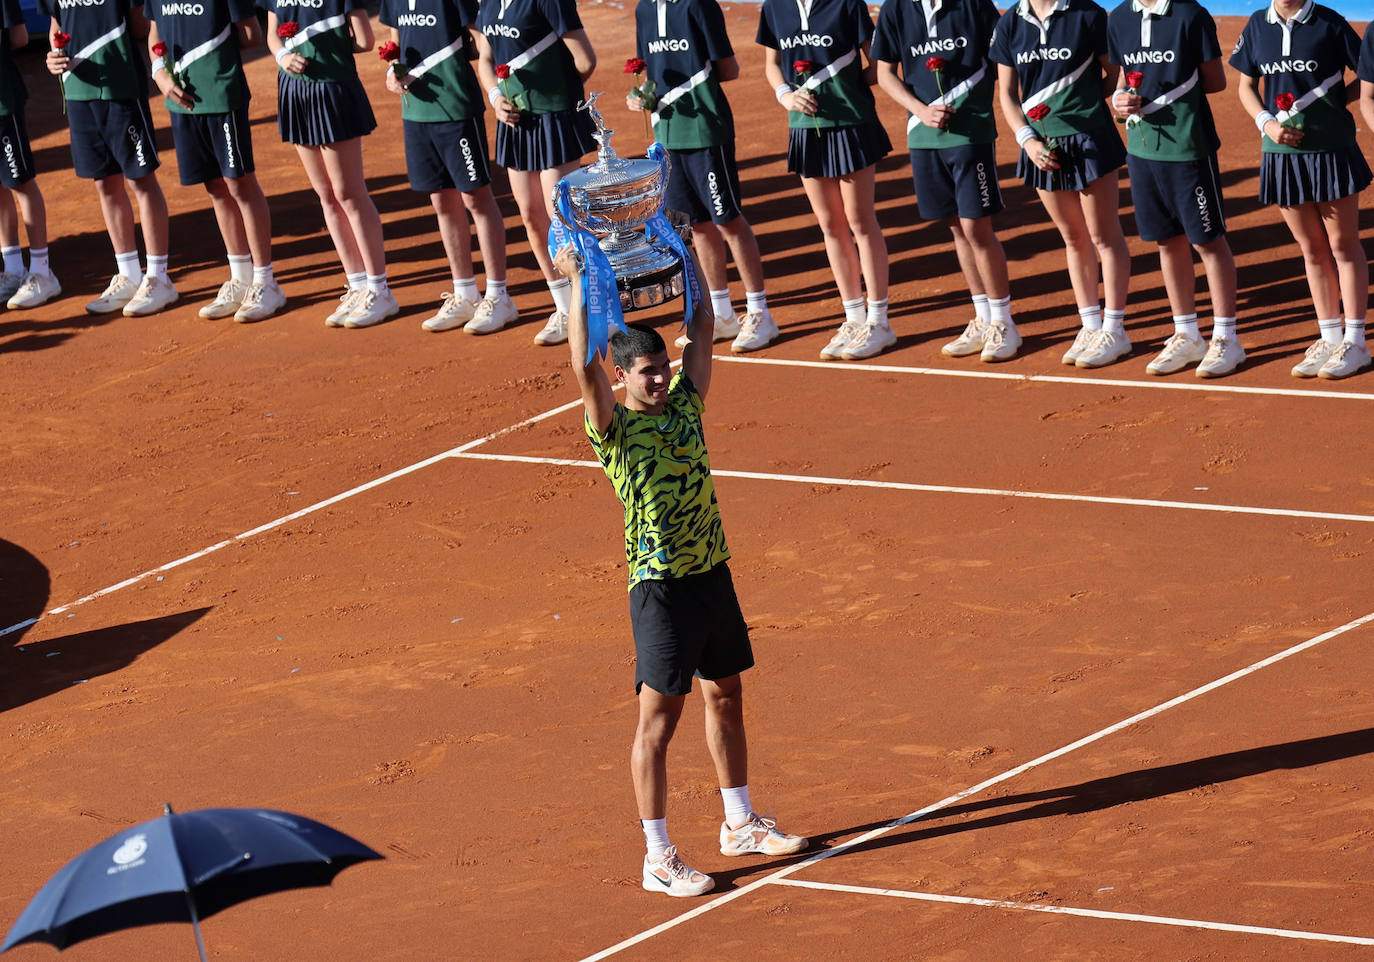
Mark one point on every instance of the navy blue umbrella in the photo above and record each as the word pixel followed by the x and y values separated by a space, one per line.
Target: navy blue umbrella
pixel 183 868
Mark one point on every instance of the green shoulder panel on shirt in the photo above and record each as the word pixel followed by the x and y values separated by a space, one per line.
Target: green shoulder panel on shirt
pixel 1324 125
pixel 845 101
pixel 215 80
pixel 330 55
pixel 696 120
pixel 113 72
pixel 543 82
pixel 1176 132
pixel 972 123
pixel 445 93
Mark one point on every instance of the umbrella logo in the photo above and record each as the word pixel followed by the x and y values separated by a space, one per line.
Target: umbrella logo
pixel 130 852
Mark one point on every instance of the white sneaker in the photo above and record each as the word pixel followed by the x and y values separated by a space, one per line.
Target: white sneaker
pixel 373 308
pixel 454 311
pixel 1104 348
pixel 1001 344
pixel 34 290
pixel 348 303
pixel 969 342
pixel 870 341
pixel 1079 345
pixel 226 302
pixel 492 314
pixel 554 332
pixel 1179 351
pixel 757 330
pixel 117 293
pixel 847 332
pixel 724 329
pixel 1224 355
pixel 759 836
pixel 9 284
pixel 1346 360
pixel 1314 358
pixel 260 302
pixel 153 295
pixel 669 875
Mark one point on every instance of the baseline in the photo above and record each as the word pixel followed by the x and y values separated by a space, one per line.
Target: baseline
pixel 1083 913
pixel 954 489
pixel 1007 775
pixel 1046 378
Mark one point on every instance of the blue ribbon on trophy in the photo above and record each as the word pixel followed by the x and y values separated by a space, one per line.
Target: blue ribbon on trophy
pixel 600 299
pixel 659 230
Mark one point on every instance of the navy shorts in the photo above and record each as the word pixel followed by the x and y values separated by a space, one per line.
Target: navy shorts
pixel 958 181
pixel 212 146
pixel 1175 197
pixel 112 137
pixel 442 156
pixel 688 627
pixel 704 184
pixel 16 157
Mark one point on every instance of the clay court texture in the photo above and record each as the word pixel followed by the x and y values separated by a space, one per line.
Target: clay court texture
pixel 1053 664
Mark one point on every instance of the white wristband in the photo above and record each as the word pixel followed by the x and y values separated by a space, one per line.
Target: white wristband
pixel 781 90
pixel 158 64
pixel 493 93
pixel 390 69
pixel 1115 93
pixel 1262 118
pixel 281 55
pixel 1024 134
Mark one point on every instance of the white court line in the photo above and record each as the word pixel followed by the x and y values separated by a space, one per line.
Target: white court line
pixel 286 519
pixel 952 489
pixel 1083 913
pixel 1211 388
pixel 981 786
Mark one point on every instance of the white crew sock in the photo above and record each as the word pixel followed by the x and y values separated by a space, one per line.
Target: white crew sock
pixel 14 259
pixel 495 289
pixel 980 307
pixel 241 268
pixel 999 310
pixel 1114 321
pixel 157 267
pixel 1223 327
pixel 720 303
pixel 127 264
pixel 876 314
pixel 655 836
pixel 356 282
pixel 38 261
pixel 1186 324
pixel 1331 330
pixel 737 806
pixel 263 275
pixel 756 302
pixel 376 283
pixel 562 295
pixel 1354 331
pixel 854 310
pixel 1091 318
pixel 465 288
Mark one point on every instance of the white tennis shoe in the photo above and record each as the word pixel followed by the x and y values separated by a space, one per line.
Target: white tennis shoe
pixel 671 876
pixel 759 836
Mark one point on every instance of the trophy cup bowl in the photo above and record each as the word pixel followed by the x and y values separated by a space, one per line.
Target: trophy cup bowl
pixel 613 199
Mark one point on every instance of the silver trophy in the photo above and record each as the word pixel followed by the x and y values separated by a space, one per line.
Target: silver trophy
pixel 613 199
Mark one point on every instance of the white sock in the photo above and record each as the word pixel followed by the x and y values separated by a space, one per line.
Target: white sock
pixel 1223 327
pixel 1091 318
pixel 720 303
pixel 14 259
pixel 1186 324
pixel 495 289
pixel 980 307
pixel 127 264
pixel 157 266
pixel 854 310
pixel 655 836
pixel 263 275
pixel 465 288
pixel 38 261
pixel 1354 331
pixel 756 302
pixel 737 806
pixel 999 310
pixel 356 282
pixel 562 295
pixel 241 268
pixel 376 283
pixel 877 313
pixel 1114 321
pixel 1331 330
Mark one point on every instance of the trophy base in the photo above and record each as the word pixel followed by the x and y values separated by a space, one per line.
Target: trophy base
pixel 649 289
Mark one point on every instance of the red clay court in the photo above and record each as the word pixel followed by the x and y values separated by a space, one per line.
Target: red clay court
pixel 1053 664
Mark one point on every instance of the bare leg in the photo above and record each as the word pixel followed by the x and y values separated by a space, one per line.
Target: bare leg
pixel 1079 253
pixel 1100 210
pixel 1176 264
pixel 856 191
pixel 710 251
pixel 454 230
pixel 1221 275
pixel 118 213
pixel 152 213
pixel 1341 220
pixel 340 231
pixel 255 217
pixel 658 717
pixel 491 231
pixel 1322 277
pixel 344 163
pixel 9 220
pixel 725 730
pixel 744 247
pixel 828 206
pixel 33 212
pixel 228 217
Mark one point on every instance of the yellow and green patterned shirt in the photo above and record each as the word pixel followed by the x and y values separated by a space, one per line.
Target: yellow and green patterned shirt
pixel 662 474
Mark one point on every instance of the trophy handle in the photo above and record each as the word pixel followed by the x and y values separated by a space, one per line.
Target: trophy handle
pixel 557 210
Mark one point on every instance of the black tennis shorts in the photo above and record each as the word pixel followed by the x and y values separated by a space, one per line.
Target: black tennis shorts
pixel 688 627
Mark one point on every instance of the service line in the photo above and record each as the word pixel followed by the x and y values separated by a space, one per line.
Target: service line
pixel 1010 773
pixel 1083 913
pixel 1161 385
pixel 954 489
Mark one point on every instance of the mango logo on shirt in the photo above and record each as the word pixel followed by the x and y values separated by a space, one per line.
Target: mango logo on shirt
pixel 67 4
pixel 1044 53
pixel 674 45
pixel 1150 56
pixel 184 9
pixel 939 45
pixel 417 20
pixel 501 30
pixel 1289 66
pixel 807 40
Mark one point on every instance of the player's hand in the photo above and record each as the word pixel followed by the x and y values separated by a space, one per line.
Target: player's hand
pixel 936 117
pixel 568 261
pixel 1126 104
pixel 801 102
pixel 294 63
pixel 395 84
pixel 171 91
pixel 58 62
pixel 506 112
pixel 1283 135
pixel 632 102
pixel 1040 156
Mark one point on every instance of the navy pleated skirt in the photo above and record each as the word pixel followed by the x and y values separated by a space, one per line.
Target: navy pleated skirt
pixel 313 114
pixel 1083 158
pixel 544 141
pixel 1292 179
pixel 835 151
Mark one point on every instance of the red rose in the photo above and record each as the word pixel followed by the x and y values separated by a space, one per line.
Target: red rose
pixel 60 40
pixel 1284 101
pixel 1038 112
pixel 803 66
pixel 502 71
pixel 389 51
pixel 1134 78
pixel 936 63
pixel 635 65
pixel 288 29
pixel 159 49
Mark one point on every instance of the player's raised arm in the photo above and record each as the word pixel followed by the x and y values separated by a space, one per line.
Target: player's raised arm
pixel 696 354
pixel 597 396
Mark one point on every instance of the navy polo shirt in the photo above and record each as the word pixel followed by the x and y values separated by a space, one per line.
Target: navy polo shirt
pixel 830 29
pixel 432 35
pixel 114 70
pixel 677 40
pixel 1056 62
pixel 216 79
pixel 549 82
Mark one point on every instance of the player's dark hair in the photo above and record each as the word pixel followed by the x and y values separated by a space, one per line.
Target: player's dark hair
pixel 636 340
